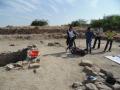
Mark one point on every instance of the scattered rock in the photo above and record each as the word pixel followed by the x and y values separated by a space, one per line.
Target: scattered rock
pixel 12 45
pixel 91 86
pixel 76 84
pixel 78 89
pixel 86 63
pixel 100 79
pixel 37 60
pixel 34 65
pixel 81 88
pixel 14 66
pixel 18 64
pixel 94 73
pixel 102 86
pixel 24 63
pixel 96 68
pixel 102 75
pixel 41 42
pixel 57 44
pixel 116 87
pixel 89 71
pixel 9 67
pixel 103 71
pixel 51 44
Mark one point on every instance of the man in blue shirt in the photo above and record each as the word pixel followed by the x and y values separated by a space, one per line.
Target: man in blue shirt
pixel 89 35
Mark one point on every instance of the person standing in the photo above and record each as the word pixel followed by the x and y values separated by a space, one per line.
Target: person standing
pixel 98 34
pixel 89 35
pixel 71 36
pixel 110 35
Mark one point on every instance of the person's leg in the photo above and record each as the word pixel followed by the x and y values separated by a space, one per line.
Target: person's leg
pixel 70 43
pixel 95 42
pixel 74 42
pixel 90 46
pixel 87 45
pixel 111 41
pixel 67 41
pixel 99 42
pixel 106 45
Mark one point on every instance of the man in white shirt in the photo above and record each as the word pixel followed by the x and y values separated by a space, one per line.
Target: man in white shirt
pixel 71 36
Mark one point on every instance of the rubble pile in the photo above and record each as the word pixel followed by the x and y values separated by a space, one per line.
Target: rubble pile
pixel 96 78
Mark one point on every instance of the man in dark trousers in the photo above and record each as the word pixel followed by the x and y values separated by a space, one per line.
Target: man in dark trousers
pixel 110 35
pixel 97 33
pixel 71 36
pixel 89 35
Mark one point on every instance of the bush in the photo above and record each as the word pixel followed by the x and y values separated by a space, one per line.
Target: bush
pixel 108 22
pixel 39 22
pixel 79 22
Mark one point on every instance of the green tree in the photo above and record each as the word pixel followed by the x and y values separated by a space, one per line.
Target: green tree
pixel 108 22
pixel 112 22
pixel 79 22
pixel 96 23
pixel 41 22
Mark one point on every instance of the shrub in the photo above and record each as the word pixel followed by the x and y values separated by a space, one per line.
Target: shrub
pixel 41 22
pixel 79 22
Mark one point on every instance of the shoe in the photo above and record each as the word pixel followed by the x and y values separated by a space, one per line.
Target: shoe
pixel 104 51
pixel 93 48
pixel 98 48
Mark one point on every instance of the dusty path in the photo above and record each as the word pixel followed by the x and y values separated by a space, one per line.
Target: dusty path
pixel 58 69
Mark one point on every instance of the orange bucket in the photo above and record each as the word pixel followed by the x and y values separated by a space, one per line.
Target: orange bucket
pixel 33 53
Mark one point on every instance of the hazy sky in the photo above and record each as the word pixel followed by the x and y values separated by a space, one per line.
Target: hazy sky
pixel 57 12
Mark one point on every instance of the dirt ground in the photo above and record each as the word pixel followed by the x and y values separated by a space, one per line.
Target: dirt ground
pixel 58 69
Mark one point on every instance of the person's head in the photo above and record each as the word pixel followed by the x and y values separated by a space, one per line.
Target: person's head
pixel 70 28
pixel 88 29
pixel 110 30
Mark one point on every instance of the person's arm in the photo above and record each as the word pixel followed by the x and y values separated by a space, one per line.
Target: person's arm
pixel 67 33
pixel 76 33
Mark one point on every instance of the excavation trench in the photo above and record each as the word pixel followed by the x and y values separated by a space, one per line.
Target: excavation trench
pixel 12 57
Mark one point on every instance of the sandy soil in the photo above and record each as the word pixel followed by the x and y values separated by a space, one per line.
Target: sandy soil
pixel 58 69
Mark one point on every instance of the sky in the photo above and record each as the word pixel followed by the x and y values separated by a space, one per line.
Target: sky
pixel 57 12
